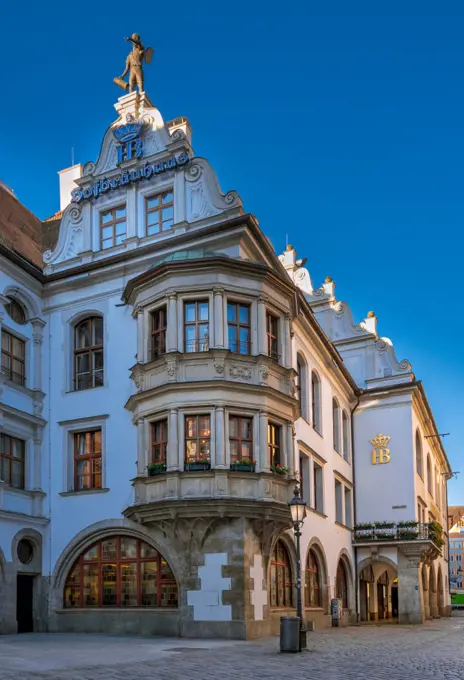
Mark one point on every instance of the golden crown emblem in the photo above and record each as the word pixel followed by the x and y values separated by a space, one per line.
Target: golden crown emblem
pixel 380 442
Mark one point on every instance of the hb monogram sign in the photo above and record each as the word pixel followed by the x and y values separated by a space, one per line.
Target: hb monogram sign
pixel 380 453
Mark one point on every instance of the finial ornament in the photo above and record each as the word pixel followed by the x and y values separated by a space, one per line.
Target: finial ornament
pixel 134 65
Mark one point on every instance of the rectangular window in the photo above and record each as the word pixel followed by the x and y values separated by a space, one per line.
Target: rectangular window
pixel 113 227
pixel 348 520
pixel 338 502
pixel 272 336
pixel 304 477
pixel 197 439
pixel 318 490
pixel 196 326
pixel 12 458
pixel 238 327
pixel 159 211
pixel 87 460
pixel 273 443
pixel 13 358
pixel 159 441
pixel 240 438
pixel 158 332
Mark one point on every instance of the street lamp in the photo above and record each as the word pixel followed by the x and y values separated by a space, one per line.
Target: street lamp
pixel 298 511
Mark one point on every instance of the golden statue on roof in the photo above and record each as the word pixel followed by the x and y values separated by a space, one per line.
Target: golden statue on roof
pixel 134 65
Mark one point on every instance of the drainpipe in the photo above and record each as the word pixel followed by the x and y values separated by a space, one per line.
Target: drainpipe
pixel 356 582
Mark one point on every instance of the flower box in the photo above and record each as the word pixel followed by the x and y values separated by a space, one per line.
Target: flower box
pixel 196 467
pixel 243 467
pixel 156 469
pixel 279 469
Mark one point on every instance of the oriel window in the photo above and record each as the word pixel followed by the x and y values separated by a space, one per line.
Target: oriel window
pixel 238 325
pixel 197 438
pixel 113 227
pixel 273 443
pixel 158 332
pixel 13 358
pixel 159 211
pixel 196 326
pixel 12 459
pixel 272 336
pixel 240 438
pixel 88 353
pixel 159 442
pixel 87 460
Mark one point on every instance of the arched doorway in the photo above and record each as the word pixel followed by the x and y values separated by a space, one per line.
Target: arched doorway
pixel 378 590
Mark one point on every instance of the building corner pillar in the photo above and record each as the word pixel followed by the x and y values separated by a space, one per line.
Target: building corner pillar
pixel 410 595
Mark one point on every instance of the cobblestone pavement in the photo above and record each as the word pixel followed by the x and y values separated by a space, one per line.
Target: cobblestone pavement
pixel 391 652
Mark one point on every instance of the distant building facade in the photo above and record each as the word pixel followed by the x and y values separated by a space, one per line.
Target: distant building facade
pixel 164 375
pixel 456 566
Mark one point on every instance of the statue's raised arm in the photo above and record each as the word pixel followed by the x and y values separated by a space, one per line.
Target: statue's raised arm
pixel 134 65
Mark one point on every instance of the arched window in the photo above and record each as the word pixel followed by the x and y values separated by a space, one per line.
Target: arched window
pixel 281 577
pixel 346 436
pixel 336 425
pixel 419 454
pixel 429 475
pixel 316 402
pixel 437 487
pixel 120 572
pixel 302 378
pixel 313 590
pixel 341 585
pixel 15 311
pixel 88 353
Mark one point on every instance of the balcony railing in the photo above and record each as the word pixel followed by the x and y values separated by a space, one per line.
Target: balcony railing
pixel 398 531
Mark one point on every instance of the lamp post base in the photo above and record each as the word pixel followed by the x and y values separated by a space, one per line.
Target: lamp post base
pixel 303 635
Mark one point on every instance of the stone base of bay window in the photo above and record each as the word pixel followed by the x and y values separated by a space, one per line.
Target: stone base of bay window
pixel 222 550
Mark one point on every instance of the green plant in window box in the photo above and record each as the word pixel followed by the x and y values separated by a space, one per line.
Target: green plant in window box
pixel 407 523
pixel 197 464
pixel 279 469
pixel 361 526
pixel 384 525
pixel 243 465
pixel 156 469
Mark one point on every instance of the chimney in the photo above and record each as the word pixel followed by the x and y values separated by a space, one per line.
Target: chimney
pixel 67 183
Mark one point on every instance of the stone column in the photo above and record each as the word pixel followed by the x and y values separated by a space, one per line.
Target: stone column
pixel 140 336
pixel 173 441
pixel 142 457
pixel 373 602
pixel 37 337
pixel 262 337
pixel 410 600
pixel 263 461
pixel 218 317
pixel 434 613
pixel 286 345
pixel 171 332
pixel 220 439
pixel 36 481
pixel 287 449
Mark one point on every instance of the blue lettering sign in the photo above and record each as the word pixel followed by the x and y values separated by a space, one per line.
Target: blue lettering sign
pixel 129 176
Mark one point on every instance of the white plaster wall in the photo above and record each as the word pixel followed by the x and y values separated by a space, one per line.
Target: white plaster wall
pixel 73 513
pixel 380 487
pixel 319 448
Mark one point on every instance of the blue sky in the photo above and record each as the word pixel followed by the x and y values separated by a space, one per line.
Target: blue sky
pixel 338 124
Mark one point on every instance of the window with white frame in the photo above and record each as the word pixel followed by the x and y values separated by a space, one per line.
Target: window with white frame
pixel 338 501
pixel 318 487
pixel 13 363
pixel 113 227
pixel 196 326
pixel 316 402
pixel 346 436
pixel 159 212
pixel 336 425
pixel 12 461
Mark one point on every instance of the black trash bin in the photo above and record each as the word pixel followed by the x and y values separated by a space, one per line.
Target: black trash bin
pixel 290 634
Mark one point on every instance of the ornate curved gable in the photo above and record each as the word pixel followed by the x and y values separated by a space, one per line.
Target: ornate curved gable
pixel 141 156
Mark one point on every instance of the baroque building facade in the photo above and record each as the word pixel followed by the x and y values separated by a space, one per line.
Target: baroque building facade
pixel 165 377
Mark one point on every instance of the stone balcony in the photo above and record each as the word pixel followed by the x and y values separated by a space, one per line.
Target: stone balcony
pixel 214 365
pixel 427 536
pixel 211 493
